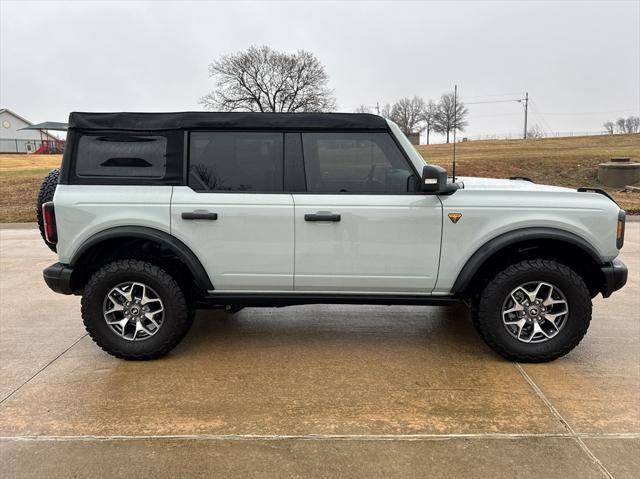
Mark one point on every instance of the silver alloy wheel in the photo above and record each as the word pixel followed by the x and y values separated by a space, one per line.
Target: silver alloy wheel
pixel 133 310
pixel 535 312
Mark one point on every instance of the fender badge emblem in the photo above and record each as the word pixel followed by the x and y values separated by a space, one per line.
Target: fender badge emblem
pixel 454 217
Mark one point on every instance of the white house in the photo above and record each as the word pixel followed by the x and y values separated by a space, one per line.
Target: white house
pixel 15 140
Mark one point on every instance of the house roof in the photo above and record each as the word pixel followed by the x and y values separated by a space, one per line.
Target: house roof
pixel 48 125
pixel 31 125
pixel 226 120
pixel 13 113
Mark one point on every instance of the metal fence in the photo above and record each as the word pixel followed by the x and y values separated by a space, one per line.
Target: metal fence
pixel 537 134
pixel 14 145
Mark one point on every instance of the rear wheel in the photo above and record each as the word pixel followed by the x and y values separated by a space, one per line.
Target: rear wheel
pixel 47 190
pixel 533 311
pixel 134 310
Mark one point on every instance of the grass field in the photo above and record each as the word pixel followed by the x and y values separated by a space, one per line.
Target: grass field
pixel 20 178
pixel 568 161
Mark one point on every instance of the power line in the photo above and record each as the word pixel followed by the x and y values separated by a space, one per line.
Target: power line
pixel 494 96
pixel 498 115
pixel 587 113
pixel 542 118
pixel 524 101
pixel 493 101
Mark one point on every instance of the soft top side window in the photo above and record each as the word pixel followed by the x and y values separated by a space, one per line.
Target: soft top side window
pixel 121 155
pixel 236 161
pixel 356 162
pixel 127 157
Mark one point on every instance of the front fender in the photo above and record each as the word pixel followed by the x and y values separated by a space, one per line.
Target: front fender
pixel 498 243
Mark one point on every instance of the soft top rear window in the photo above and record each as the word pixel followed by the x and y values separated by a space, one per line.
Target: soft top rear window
pixel 121 156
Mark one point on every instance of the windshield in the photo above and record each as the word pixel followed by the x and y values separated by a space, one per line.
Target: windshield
pixel 413 154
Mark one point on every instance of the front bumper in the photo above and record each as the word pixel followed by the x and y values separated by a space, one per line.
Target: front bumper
pixel 58 278
pixel 615 277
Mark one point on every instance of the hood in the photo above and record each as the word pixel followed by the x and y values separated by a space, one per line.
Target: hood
pixel 474 183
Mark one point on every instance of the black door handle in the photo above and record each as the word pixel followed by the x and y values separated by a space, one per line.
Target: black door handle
pixel 199 215
pixel 322 217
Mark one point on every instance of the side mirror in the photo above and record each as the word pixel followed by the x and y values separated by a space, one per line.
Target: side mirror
pixel 434 179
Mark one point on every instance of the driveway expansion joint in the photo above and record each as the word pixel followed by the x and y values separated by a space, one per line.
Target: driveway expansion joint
pixel 563 421
pixel 33 376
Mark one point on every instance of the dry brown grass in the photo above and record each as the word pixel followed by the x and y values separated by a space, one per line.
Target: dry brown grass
pixel 18 196
pixel 28 162
pixel 20 178
pixel 569 161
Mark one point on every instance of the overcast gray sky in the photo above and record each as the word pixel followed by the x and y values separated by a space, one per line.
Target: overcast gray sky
pixel 579 61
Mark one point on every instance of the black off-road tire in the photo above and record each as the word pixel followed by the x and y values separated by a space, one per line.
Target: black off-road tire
pixel 47 190
pixel 486 312
pixel 177 317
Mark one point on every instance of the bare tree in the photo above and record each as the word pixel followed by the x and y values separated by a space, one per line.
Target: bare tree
pixel 407 114
pixel 362 109
pixel 450 115
pixel 609 127
pixel 262 79
pixel 385 111
pixel 535 132
pixel 632 124
pixel 429 116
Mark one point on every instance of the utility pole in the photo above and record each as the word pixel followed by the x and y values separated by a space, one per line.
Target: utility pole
pixel 526 111
pixel 378 108
pixel 455 127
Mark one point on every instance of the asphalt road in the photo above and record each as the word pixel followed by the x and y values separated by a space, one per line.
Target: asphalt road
pixel 332 391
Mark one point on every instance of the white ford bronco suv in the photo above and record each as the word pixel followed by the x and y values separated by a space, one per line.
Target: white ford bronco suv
pixel 154 215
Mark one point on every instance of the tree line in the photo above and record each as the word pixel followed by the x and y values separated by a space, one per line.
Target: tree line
pixel 631 124
pixel 415 115
pixel 261 79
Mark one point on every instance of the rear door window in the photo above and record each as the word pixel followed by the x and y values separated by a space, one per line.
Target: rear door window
pixel 122 155
pixel 236 161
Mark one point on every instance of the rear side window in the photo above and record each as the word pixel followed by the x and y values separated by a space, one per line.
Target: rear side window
pixel 236 161
pixel 355 163
pixel 121 156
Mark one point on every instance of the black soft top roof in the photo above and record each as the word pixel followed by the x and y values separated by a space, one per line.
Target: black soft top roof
pixel 231 120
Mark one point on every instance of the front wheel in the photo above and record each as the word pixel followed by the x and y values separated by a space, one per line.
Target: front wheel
pixel 533 311
pixel 135 310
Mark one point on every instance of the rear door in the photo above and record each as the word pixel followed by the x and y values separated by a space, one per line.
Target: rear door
pixel 362 226
pixel 234 213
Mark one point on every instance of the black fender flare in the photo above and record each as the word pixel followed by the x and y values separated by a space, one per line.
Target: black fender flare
pixel 493 246
pixel 168 241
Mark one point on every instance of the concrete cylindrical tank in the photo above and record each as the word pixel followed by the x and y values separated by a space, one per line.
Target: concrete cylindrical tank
pixel 619 172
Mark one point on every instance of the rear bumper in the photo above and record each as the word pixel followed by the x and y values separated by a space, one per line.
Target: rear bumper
pixel 615 277
pixel 58 278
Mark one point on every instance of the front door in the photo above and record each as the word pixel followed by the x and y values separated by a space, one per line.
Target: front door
pixel 234 214
pixel 362 226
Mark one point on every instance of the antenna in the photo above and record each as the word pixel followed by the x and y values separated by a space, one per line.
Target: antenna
pixel 455 127
pixel 526 110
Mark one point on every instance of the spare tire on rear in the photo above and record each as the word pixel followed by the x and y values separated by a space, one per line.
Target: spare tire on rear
pixel 47 190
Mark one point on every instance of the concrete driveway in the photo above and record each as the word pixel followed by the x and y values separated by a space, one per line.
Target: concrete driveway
pixel 333 391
